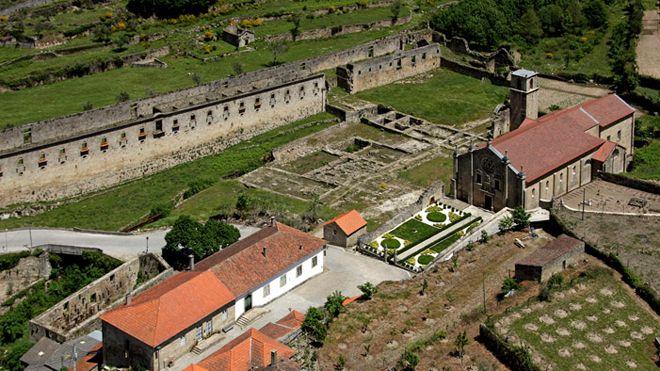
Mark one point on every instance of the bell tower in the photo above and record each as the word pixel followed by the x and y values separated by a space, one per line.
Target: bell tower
pixel 524 97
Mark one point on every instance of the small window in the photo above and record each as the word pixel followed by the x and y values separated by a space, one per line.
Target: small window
pixel 142 135
pixel 287 96
pixel 315 261
pixel 618 135
pixel 27 135
pixel 257 104
pixel 423 56
pixel 302 92
pixel 609 137
pixel 547 185
pixel 561 177
pixel 399 65
pixel 199 335
pixel 175 126
pixel 478 178
pixel 92 298
pixel 497 184
pixel 84 151
pixel 104 144
pixel 193 121
pixel 112 277
pixel 209 117
pixel 42 160
pixel 283 281
pixel 241 108
pixel 62 155
pixel 223 315
pixel 0 171
pixel 299 271
pixel 533 193
pixel 272 100
pixel 267 290
pixel 159 125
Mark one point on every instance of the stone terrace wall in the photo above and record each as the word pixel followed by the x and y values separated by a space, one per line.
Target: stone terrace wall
pixel 386 69
pixel 79 313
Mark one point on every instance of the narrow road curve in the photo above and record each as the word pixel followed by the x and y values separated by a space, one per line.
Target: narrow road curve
pixel 121 246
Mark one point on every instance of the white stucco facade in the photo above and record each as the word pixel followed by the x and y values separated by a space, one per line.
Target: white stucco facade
pixel 278 286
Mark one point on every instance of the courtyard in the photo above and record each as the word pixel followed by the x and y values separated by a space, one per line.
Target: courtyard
pixel 606 197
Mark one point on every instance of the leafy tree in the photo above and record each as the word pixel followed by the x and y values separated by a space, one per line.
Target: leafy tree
pixel 123 97
pixel 574 18
pixel 368 290
pixel 409 360
pixel 295 20
pixel 531 28
pixel 596 13
pixel 460 343
pixel 315 325
pixel 484 237
pixel 167 8
pixel 333 304
pixel 509 284
pixel 552 19
pixel 188 236
pixel 520 217
pixel 395 9
pixel 243 202
pixel 479 21
pixel 277 48
pixel 506 223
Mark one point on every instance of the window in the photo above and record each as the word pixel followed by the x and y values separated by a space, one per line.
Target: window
pixel 223 315
pixel 533 193
pixel 104 144
pixel 198 335
pixel 42 160
pixel 283 281
pixel 272 100
pixel 241 108
pixel 561 177
pixel 301 93
pixel 142 135
pixel 175 126
pixel 478 178
pixel 209 117
pixel 92 298
pixel 299 271
pixel 316 89
pixel 413 59
pixel 287 96
pixel 0 171
pixel 618 135
pixel 62 156
pixel 257 104
pixel 398 64
pixel 208 328
pixel 193 121
pixel 497 184
pixel 315 261
pixel 547 185
pixel 27 135
pixel 267 290
pixel 159 125
pixel 609 137
pixel 423 55
pixel 84 151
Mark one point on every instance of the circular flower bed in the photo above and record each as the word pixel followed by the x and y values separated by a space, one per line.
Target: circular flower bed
pixel 436 217
pixel 424 259
pixel 390 243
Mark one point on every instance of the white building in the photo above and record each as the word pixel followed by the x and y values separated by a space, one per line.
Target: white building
pixel 266 265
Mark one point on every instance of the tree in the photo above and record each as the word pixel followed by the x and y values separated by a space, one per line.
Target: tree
pixel 243 202
pixel 520 217
pixel 552 19
pixel 368 290
pixel 314 325
pixel 188 236
pixel 506 223
pixel 295 20
pixel 409 360
pixel 237 67
pixel 123 97
pixel 120 42
pixel 484 237
pixel 196 78
pixel 277 48
pixel 531 29
pixel 425 285
pixel 460 343
pixel 395 9
pixel 333 304
pixel 509 284
pixel 167 8
pixel 479 21
pixel 312 213
pixel 596 13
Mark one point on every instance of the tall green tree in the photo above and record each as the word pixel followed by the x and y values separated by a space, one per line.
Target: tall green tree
pixel 531 28
pixel 202 240
pixel 596 13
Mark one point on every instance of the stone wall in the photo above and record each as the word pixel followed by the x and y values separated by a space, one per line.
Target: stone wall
pixel 626 181
pixel 79 313
pixel 124 151
pixel 28 271
pixel 386 69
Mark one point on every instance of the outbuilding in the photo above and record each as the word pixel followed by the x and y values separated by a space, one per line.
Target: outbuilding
pixel 552 258
pixel 344 230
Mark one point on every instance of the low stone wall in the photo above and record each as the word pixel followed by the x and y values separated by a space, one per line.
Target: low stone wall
pixel 642 185
pixel 28 271
pixel 79 313
pixel 299 147
pixel 474 72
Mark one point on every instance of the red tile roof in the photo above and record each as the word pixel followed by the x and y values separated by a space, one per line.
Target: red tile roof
pixel 350 222
pixel 243 265
pixel 250 350
pixel 163 311
pixel 553 250
pixel 91 360
pixel 286 325
pixel 539 147
pixel 604 151
pixel 608 109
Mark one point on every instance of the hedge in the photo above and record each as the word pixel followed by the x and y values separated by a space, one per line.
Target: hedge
pixel 515 357
pixel 436 217
pixel 391 243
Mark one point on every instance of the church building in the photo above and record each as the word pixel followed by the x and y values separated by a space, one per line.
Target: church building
pixel 534 159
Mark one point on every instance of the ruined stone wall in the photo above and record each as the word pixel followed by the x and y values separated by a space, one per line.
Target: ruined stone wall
pixel 79 313
pixel 386 69
pixel 28 271
pixel 103 158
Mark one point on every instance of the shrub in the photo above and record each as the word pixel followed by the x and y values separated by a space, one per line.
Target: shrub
pixel 424 259
pixel 314 325
pixel 368 290
pixel 453 217
pixel 509 284
pixel 197 186
pixel 390 243
pixel 436 217
pixel 123 97
pixel 160 211
pixel 506 223
pixel 333 304
pixel 409 360
pixel 520 217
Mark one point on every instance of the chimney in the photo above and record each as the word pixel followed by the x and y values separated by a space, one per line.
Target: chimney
pixel 263 251
pixel 127 299
pixel 272 221
pixel 191 258
pixel 273 357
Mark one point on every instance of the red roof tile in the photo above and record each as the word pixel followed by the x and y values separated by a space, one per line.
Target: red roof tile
pixel 243 265
pixel 350 222
pixel 608 109
pixel 604 151
pixel 91 360
pixel 286 325
pixel 551 251
pixel 250 350
pixel 165 310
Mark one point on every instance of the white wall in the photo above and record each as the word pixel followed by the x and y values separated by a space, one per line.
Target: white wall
pixel 276 291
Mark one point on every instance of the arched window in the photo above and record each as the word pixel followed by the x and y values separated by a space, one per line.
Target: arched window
pixel 533 192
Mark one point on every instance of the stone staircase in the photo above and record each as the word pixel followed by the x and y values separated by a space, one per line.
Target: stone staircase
pixel 204 344
pixel 250 316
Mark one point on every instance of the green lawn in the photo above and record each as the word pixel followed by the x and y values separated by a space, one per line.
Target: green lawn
pixel 442 97
pixel 414 232
pixel 424 174
pixel 101 89
pixel 646 164
pixel 125 204
pixel 310 162
pixel 598 325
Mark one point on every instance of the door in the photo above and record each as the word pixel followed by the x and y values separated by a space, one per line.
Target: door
pixel 488 203
pixel 248 302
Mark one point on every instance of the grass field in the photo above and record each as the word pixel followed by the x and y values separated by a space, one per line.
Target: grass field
pixel 414 231
pixel 646 163
pixel 442 97
pixel 424 174
pixel 596 324
pixel 101 89
pixel 310 162
pixel 125 204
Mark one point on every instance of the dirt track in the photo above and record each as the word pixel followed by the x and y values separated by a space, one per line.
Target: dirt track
pixel 648 47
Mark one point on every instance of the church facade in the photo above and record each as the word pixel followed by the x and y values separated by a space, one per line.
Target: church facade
pixel 535 159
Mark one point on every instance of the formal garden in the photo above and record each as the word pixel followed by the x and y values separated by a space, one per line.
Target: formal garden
pixel 591 322
pixel 403 242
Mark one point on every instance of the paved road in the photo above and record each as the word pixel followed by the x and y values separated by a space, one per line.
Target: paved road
pixel 344 271
pixel 122 246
